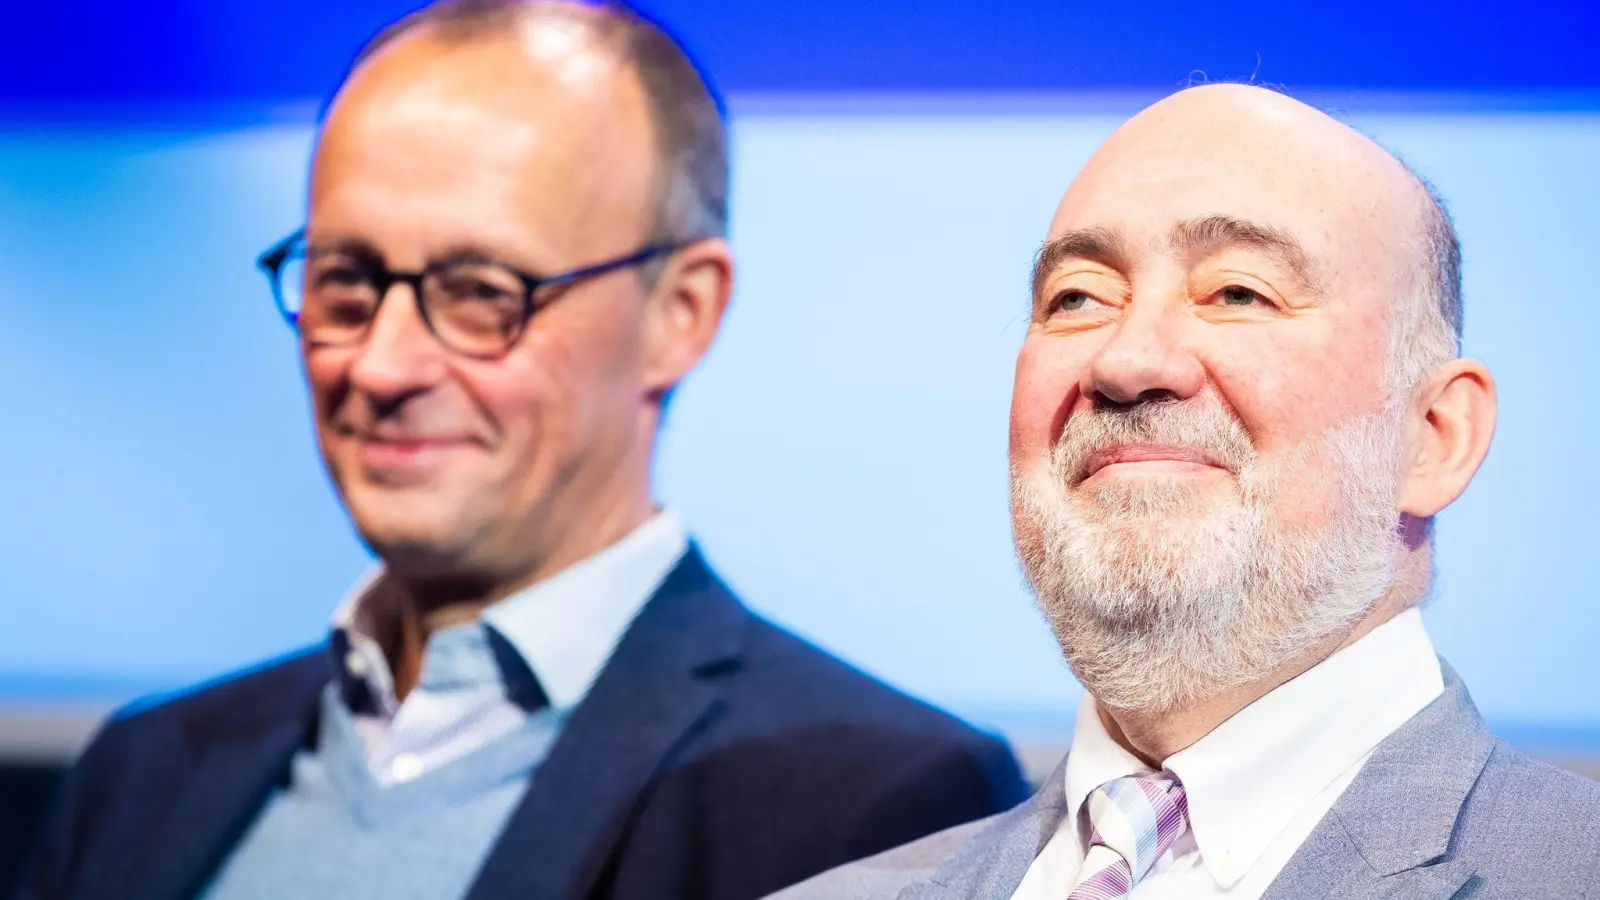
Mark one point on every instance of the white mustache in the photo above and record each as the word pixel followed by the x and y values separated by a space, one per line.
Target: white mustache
pixel 1202 425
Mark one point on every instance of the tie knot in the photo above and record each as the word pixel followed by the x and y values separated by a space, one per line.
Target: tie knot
pixel 1138 818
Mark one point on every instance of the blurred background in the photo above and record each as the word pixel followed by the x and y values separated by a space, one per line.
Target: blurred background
pixel 841 454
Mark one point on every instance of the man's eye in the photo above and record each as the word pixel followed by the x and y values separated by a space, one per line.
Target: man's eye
pixel 341 278
pixel 1070 301
pixel 1234 295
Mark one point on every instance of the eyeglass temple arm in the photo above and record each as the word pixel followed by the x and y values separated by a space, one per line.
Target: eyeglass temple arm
pixel 274 258
pixel 632 259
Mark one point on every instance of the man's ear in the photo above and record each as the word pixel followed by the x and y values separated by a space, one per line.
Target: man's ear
pixel 1451 425
pixel 684 311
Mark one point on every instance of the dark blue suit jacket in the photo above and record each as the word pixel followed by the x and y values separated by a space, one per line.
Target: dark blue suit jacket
pixel 717 757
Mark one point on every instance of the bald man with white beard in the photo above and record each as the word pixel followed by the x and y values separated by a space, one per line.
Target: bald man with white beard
pixel 1237 410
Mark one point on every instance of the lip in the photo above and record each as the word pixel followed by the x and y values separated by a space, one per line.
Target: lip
pixel 1151 459
pixel 405 453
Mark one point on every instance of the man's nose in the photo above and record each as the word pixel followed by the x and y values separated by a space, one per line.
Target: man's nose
pixel 398 356
pixel 1144 359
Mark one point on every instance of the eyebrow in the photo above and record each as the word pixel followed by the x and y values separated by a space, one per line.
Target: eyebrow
pixel 1097 244
pixel 350 244
pixel 1211 234
pixel 459 253
pixel 1192 238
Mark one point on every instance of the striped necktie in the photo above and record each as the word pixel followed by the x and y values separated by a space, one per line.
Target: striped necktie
pixel 1133 821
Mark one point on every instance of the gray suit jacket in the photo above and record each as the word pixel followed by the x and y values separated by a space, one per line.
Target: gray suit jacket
pixel 1442 809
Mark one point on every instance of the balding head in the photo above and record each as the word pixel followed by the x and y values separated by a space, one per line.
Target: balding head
pixel 566 121
pixel 1231 405
pixel 690 136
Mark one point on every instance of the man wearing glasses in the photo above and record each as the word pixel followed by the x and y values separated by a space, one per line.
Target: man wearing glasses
pixel 514 252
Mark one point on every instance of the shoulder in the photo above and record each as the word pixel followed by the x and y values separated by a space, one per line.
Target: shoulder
pixel 233 705
pixel 774 685
pixel 856 766
pixel 790 682
pixel 783 663
pixel 887 874
pixel 1514 785
pixel 778 680
pixel 1523 820
pixel 139 754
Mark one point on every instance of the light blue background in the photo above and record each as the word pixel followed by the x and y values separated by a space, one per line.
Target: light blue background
pixel 841 454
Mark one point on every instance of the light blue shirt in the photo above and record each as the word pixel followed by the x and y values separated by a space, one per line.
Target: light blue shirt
pixel 563 628
pixel 402 799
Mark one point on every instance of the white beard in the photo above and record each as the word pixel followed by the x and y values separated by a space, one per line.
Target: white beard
pixel 1162 595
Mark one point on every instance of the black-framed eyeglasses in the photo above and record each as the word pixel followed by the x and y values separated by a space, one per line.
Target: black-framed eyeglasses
pixel 475 306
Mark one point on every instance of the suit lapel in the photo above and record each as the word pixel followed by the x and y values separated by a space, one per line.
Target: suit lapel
pixel 1388 836
pixel 992 864
pixel 237 755
pixel 659 686
pixel 1329 866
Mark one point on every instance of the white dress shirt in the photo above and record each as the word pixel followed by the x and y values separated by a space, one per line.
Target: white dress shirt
pixel 1261 781
pixel 564 628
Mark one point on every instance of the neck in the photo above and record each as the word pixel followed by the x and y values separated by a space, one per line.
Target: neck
pixel 423 604
pixel 1153 735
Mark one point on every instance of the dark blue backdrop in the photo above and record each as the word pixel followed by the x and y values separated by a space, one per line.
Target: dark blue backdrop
pixel 115 56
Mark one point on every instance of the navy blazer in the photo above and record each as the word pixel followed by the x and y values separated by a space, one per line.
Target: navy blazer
pixel 717 757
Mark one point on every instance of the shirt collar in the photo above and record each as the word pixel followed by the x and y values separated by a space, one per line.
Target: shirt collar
pixel 563 628
pixel 1094 759
pixel 1246 780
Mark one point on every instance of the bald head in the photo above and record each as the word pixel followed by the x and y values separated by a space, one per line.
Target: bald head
pixel 689 134
pixel 554 126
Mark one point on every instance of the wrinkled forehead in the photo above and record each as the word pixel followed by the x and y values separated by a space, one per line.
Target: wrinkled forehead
pixel 1339 202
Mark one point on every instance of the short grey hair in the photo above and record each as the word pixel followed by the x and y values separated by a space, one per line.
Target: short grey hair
pixel 1426 321
pixel 1425 325
pixel 688 118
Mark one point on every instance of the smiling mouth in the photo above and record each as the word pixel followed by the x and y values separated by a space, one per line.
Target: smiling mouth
pixel 1151 459
pixel 405 454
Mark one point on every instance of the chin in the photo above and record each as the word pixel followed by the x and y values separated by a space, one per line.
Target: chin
pixel 408 538
pixel 415 553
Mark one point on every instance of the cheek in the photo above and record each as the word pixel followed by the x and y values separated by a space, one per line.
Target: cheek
pixel 564 394
pixel 327 375
pixel 1048 375
pixel 1289 388
pixel 588 343
pixel 547 396
pixel 527 396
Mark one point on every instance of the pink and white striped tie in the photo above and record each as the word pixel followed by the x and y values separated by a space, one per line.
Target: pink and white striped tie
pixel 1133 821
